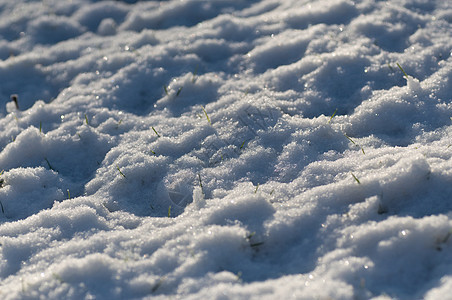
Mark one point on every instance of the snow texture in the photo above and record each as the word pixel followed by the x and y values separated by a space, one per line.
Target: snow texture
pixel 228 149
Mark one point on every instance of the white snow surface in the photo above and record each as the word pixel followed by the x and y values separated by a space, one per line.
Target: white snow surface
pixel 228 149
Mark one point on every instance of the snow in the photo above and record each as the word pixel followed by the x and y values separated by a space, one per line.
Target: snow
pixel 226 149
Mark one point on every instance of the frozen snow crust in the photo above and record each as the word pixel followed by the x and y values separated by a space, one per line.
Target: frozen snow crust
pixel 188 149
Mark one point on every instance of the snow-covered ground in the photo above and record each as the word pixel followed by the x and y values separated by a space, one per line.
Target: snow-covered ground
pixel 229 149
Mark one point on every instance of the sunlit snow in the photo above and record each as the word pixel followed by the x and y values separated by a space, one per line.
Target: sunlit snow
pixel 228 149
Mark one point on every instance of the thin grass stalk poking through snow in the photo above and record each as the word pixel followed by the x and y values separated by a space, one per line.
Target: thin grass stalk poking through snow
pixel 200 183
pixel 207 116
pixel 257 187
pixel 357 180
pixel 169 211
pixel 158 135
pixel 86 120
pixel 403 71
pixel 48 163
pixel 350 139
pixel 332 116
pixel 120 172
